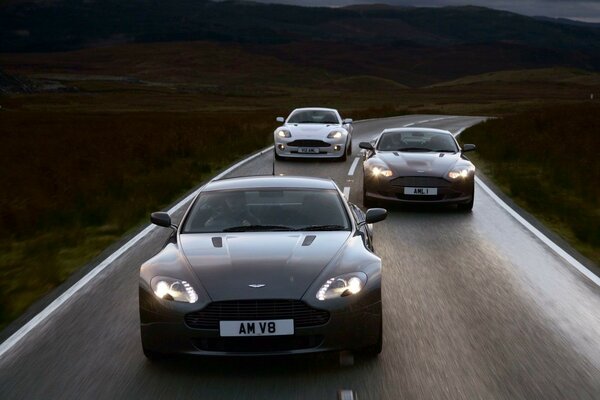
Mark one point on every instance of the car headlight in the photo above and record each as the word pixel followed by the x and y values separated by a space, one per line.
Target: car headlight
pixel 381 171
pixel 284 133
pixel 173 289
pixel 334 135
pixel 342 286
pixel 460 173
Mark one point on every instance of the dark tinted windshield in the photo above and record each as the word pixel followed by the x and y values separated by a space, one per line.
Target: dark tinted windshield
pixel 313 117
pixel 416 141
pixel 267 210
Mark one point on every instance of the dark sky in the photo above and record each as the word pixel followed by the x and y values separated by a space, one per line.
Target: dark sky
pixel 588 11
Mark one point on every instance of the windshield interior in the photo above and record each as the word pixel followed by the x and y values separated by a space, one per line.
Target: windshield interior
pixel 416 141
pixel 267 210
pixel 313 117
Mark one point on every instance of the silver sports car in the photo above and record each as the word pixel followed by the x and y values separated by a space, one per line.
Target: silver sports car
pixel 418 165
pixel 313 132
pixel 264 265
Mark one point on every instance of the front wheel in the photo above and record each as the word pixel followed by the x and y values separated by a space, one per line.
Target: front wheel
pixel 153 355
pixel 367 202
pixel 349 149
pixel 375 349
pixel 467 207
pixel 277 156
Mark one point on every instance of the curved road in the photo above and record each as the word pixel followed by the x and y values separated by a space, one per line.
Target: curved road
pixel 475 306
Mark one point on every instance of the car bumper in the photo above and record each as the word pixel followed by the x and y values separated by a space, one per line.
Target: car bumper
pixel 349 329
pixel 297 148
pixel 386 190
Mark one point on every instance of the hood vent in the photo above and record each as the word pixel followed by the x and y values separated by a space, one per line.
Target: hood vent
pixel 396 154
pixel 442 155
pixel 308 240
pixel 217 241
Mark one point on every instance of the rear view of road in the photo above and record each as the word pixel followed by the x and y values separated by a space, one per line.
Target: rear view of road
pixel 475 306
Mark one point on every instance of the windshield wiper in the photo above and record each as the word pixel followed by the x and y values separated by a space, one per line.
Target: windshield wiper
pixel 445 151
pixel 322 228
pixel 257 228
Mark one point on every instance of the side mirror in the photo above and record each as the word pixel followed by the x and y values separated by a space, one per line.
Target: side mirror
pixel 161 219
pixel 468 147
pixel 375 215
pixel 366 146
pixel 347 121
pixel 280 119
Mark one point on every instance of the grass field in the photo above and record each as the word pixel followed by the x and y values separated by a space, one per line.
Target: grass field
pixel 111 134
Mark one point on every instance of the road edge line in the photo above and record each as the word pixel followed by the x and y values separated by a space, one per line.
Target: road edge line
pixel 557 249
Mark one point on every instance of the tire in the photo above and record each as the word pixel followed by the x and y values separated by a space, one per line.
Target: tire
pixel 349 149
pixel 376 349
pixel 153 355
pixel 277 157
pixel 367 202
pixel 467 207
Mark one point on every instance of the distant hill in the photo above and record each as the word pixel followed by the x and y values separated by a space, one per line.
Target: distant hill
pixel 555 75
pixel 412 46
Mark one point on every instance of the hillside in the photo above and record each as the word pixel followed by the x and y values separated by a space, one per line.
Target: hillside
pixel 568 76
pixel 411 46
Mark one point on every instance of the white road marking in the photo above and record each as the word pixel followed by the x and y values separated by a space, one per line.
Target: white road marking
pixel 347 193
pixel 545 239
pixel 353 166
pixel 428 120
pixel 64 297
pixel 345 394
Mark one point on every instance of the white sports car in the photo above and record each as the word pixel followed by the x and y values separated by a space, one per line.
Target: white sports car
pixel 313 132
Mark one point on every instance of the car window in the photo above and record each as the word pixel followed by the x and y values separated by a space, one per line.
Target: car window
pixel 416 141
pixel 267 210
pixel 313 117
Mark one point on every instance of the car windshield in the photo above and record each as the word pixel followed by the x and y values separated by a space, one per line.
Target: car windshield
pixel 416 141
pixel 265 210
pixel 313 117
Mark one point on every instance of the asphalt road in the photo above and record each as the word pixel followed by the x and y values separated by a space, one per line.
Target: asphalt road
pixel 475 307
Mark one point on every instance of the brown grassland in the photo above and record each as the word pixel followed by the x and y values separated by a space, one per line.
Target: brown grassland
pixel 126 130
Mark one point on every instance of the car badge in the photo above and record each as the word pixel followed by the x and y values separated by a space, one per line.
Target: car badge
pixel 257 285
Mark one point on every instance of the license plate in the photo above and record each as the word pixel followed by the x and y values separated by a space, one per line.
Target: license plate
pixel 420 191
pixel 313 150
pixel 275 327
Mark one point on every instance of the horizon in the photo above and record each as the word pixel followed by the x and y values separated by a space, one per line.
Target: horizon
pixel 586 11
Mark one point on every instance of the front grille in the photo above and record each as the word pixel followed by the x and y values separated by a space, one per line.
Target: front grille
pixel 252 310
pixel 258 344
pixel 309 143
pixel 420 181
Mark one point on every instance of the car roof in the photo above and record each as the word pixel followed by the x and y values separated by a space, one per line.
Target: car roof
pixel 263 182
pixel 314 108
pixel 410 129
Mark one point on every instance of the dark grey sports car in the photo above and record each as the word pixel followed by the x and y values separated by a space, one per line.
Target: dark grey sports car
pixel 418 165
pixel 264 265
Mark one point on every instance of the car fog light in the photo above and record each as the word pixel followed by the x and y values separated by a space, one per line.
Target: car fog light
pixel 281 146
pixel 337 147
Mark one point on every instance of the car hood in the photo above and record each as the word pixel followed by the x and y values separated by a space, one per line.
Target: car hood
pixel 312 131
pixel 424 164
pixel 285 262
